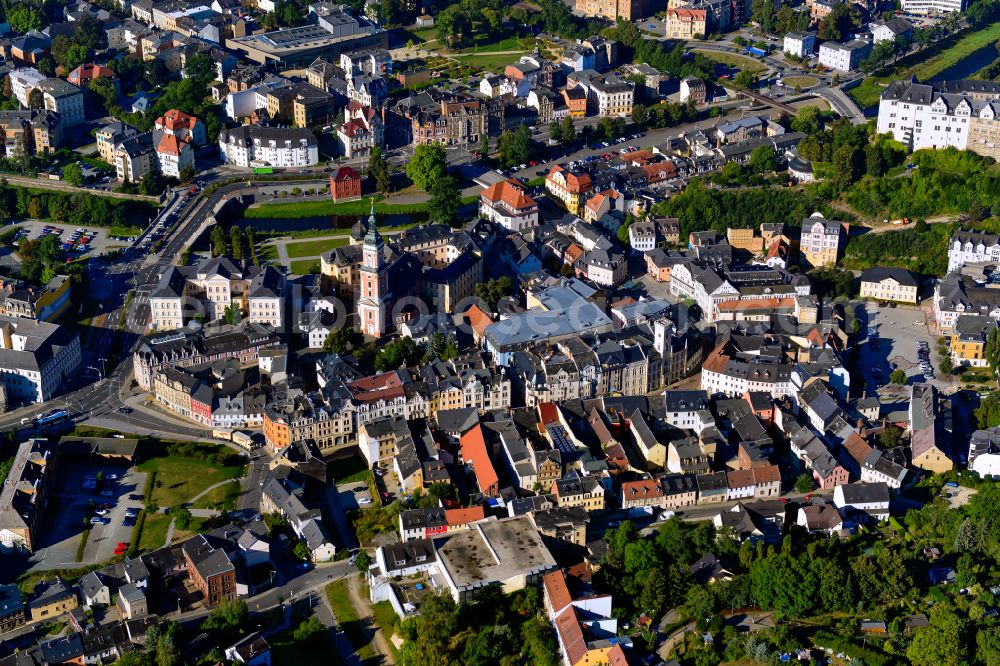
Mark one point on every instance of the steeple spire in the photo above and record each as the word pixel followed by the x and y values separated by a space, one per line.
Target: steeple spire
pixel 372 237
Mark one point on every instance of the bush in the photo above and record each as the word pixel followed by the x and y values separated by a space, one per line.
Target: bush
pixel 869 656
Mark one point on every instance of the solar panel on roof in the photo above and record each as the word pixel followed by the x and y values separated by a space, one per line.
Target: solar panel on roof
pixel 561 439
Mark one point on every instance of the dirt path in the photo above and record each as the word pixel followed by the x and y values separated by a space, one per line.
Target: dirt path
pixel 363 607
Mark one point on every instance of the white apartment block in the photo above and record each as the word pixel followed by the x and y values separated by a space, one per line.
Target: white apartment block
pixel 972 247
pixel 35 358
pixel 22 81
pixel 934 6
pixel 613 97
pixel 252 145
pixel 800 44
pixel 844 57
pixel 961 114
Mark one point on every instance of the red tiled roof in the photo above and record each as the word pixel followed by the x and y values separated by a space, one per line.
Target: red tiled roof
pixel 644 489
pixel 346 173
pixel 857 447
pixel 353 127
pixel 574 252
pixel 478 319
pixel 766 474
pixel 555 586
pixel 510 193
pixel 169 145
pixel 474 450
pixel 548 412
pixel 464 516
pixel 89 71
pixel 689 14
pixel 578 183
pixel 175 119
pixel 717 361
pixel 571 635
pixel 740 478
pixel 756 304
pixel 377 387
pixel 616 656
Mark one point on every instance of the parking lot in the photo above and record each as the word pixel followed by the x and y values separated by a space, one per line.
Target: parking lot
pixel 98 238
pixel 894 336
pixel 77 502
pixel 354 496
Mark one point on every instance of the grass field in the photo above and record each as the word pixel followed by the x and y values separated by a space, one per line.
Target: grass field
pixel 179 479
pixel 946 53
pixel 349 470
pixel 268 253
pixel 801 81
pixel 425 34
pixel 303 266
pixel 124 231
pixel 154 531
pixel 867 94
pixel 509 44
pixel 313 248
pixel 734 60
pixel 493 62
pixel 349 621
pixel 224 497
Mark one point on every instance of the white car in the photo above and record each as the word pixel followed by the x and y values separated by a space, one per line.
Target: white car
pixel 101 512
pixel 362 501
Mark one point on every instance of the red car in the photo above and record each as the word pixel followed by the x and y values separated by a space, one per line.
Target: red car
pixel 783 500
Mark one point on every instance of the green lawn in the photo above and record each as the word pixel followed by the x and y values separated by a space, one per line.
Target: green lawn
pixel 224 497
pixel 349 621
pixel 267 253
pixel 867 94
pixel 303 266
pixel 486 45
pixel 929 62
pixel 349 470
pixel 124 231
pixel 154 532
pixel 491 62
pixel 734 60
pixel 314 248
pixel 385 617
pixel 425 34
pixel 97 163
pixel 800 81
pixel 179 479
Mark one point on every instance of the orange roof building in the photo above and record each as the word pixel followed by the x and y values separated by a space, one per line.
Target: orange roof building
pixel 87 72
pixel 464 516
pixel 507 204
pixel 474 452
pixel 478 320
pixel 184 126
